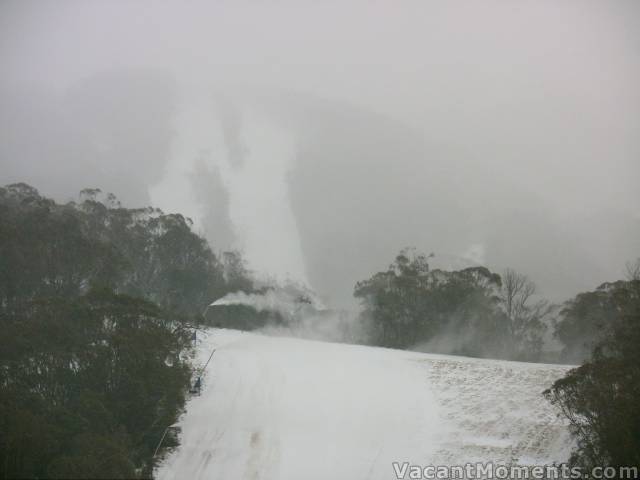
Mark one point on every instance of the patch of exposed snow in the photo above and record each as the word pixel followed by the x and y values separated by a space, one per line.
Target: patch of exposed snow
pixel 283 408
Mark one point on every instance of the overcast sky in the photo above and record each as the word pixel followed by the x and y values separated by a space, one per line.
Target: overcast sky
pixel 322 137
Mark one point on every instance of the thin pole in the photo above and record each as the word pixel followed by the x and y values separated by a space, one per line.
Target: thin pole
pixel 160 442
pixel 205 365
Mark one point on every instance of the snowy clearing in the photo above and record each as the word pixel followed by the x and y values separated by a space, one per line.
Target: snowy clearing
pixel 283 408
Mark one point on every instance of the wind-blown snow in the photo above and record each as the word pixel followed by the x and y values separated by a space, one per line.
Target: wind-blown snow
pixel 282 408
pixel 287 300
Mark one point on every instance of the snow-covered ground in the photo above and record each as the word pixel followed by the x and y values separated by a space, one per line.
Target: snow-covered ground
pixel 283 408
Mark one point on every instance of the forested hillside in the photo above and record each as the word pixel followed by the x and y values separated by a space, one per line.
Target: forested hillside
pixel 600 398
pixel 98 301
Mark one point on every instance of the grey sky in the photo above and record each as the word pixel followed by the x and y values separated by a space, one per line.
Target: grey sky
pixel 505 132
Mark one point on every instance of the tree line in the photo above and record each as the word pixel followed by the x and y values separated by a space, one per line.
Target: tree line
pixel 97 302
pixel 472 312
pixel 600 397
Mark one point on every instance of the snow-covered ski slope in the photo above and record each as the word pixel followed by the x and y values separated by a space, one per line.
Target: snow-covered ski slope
pixel 277 408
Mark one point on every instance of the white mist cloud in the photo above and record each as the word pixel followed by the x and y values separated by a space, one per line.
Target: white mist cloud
pixel 428 124
pixel 476 254
pixel 253 155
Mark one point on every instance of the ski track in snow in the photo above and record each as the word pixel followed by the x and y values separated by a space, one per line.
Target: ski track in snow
pixel 275 408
